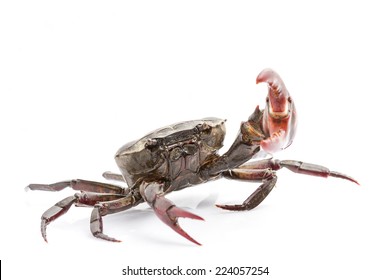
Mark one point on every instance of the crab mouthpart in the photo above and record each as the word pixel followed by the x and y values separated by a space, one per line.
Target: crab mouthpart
pixel 278 96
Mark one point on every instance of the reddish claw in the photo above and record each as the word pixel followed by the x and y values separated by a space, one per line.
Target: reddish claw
pixel 170 213
pixel 174 213
pixel 279 116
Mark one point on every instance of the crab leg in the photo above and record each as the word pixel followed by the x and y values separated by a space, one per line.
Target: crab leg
pixel 264 171
pixel 313 170
pixel 167 212
pixel 259 194
pixel 54 212
pixel 113 176
pixel 94 192
pixel 78 185
pixel 103 208
pixel 293 165
pixel 61 207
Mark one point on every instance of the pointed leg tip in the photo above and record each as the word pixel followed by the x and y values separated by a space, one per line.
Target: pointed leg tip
pixel 44 224
pixel 228 207
pixel 176 227
pixel 44 237
pixel 100 235
pixel 343 176
pixel 356 182
pixel 351 179
pixel 116 241
pixel 197 243
pixel 222 206
pixel 112 239
pixel 191 239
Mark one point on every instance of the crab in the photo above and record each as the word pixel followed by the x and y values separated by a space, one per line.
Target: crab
pixel 186 154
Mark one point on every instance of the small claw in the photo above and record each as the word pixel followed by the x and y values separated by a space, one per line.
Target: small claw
pixel 170 216
pixel 173 213
pixel 165 209
pixel 176 227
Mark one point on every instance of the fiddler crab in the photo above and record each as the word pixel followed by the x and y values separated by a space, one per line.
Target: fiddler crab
pixel 186 154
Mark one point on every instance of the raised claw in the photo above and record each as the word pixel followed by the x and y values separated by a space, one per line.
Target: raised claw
pixel 269 181
pixel 279 117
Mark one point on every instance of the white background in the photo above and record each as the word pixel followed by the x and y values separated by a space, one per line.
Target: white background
pixel 78 79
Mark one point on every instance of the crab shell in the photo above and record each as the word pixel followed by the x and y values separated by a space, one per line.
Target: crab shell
pixel 159 152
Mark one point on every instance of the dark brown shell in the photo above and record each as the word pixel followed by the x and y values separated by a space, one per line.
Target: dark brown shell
pixel 147 154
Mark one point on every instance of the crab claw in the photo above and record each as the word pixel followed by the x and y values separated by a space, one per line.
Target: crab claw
pixel 174 213
pixel 277 92
pixel 279 116
pixel 170 213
